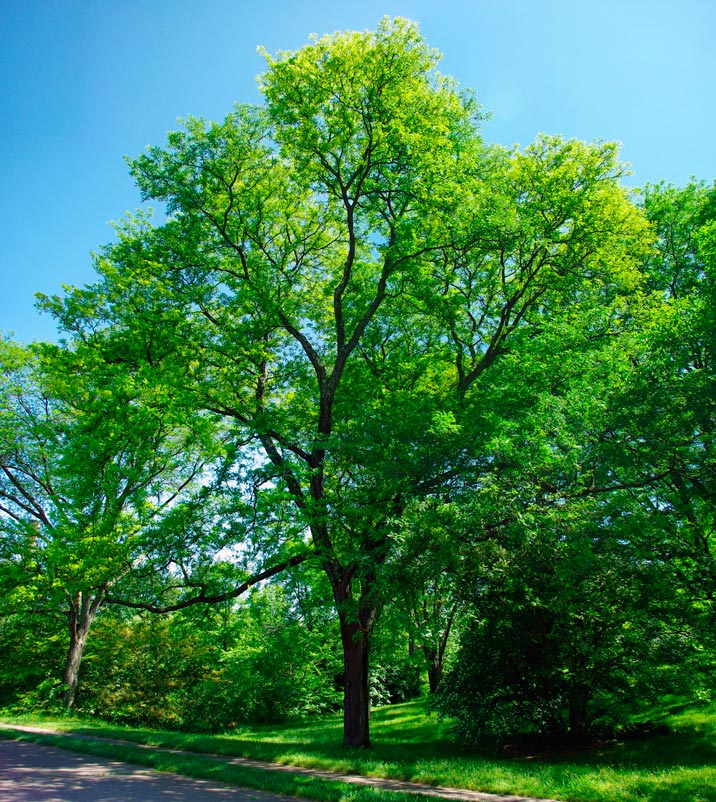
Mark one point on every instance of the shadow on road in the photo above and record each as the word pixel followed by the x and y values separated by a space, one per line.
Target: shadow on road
pixel 33 773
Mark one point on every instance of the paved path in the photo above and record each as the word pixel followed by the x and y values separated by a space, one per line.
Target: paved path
pixel 34 773
pixel 457 794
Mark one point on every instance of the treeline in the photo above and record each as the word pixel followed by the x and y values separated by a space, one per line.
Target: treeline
pixel 376 404
pixel 271 658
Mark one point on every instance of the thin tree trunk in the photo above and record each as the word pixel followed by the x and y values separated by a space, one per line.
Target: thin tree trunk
pixel 578 713
pixel 435 669
pixel 435 655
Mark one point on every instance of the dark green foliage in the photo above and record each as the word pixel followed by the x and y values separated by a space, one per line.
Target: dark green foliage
pixel 570 634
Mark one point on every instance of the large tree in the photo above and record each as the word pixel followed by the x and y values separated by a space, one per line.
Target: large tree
pixel 605 594
pixel 671 433
pixel 339 275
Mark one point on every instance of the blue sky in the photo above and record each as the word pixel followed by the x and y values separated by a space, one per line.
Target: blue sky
pixel 82 84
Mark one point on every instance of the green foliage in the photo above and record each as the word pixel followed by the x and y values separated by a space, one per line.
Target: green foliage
pixel 590 608
pixel 33 647
pixel 394 681
pixel 86 467
pixel 212 669
pixel 571 632
pixel 424 573
pixel 673 394
pixel 459 378
pixel 395 670
pixel 279 668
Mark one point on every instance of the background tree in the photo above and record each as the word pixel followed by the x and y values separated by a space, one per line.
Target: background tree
pixel 669 434
pixel 572 629
pixel 84 469
pixel 425 571
pixel 605 485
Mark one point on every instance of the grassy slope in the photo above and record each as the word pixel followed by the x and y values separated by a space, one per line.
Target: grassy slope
pixel 410 745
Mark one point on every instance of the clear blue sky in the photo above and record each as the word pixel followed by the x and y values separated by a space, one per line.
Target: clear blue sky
pixel 84 82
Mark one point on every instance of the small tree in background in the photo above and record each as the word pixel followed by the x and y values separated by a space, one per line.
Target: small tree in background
pixel 572 628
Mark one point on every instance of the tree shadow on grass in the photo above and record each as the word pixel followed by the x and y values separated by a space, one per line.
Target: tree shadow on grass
pixel 651 748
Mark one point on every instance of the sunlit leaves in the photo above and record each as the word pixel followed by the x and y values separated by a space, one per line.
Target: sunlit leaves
pixel 355 305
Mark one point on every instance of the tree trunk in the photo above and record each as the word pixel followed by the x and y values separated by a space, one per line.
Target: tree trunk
pixel 356 621
pixel 70 675
pixel 578 714
pixel 435 655
pixel 80 615
pixel 356 689
pixel 435 668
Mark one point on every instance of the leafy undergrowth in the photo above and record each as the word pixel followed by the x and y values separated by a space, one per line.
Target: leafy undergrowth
pixel 674 762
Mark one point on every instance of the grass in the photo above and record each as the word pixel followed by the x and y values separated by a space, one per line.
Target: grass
pixel 409 745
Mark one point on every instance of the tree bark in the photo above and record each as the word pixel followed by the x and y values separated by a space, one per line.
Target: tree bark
pixel 70 675
pixel 435 654
pixel 356 618
pixel 356 690
pixel 82 610
pixel 435 668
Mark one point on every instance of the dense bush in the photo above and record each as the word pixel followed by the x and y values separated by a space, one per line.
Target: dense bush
pixel 32 649
pixel 567 637
pixel 211 669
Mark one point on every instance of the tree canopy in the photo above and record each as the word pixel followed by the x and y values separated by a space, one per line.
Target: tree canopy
pixel 387 332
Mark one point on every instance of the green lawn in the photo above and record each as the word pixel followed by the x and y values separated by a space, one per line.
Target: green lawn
pixel 408 744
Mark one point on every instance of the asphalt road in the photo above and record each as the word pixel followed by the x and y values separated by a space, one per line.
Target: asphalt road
pixel 34 773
